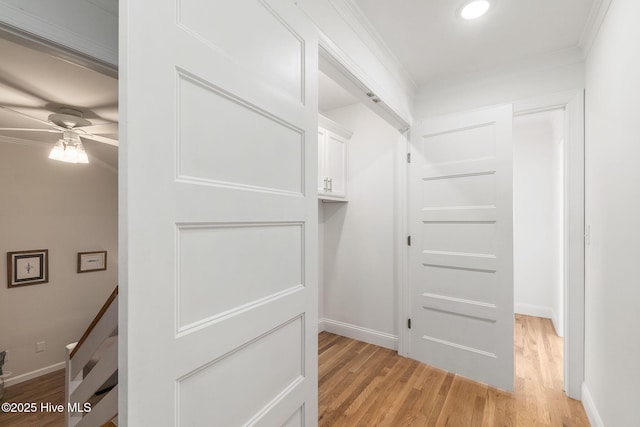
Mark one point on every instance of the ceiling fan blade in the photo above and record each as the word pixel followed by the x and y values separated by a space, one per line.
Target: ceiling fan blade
pixel 23 107
pixel 15 83
pixel 101 128
pixel 13 140
pixel 44 122
pixel 31 130
pixel 102 139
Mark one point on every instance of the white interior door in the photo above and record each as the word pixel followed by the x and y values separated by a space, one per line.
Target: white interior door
pixel 461 254
pixel 218 213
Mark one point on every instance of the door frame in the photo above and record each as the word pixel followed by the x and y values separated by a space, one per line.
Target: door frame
pixel 574 225
pixel 343 71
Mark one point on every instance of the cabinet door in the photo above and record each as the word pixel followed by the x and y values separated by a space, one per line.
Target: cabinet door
pixel 322 176
pixel 336 164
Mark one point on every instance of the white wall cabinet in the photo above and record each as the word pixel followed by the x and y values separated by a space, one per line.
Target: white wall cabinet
pixel 332 160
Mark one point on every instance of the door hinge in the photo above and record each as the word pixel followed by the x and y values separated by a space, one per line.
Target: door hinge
pixel 408 240
pixel 408 157
pixel 408 323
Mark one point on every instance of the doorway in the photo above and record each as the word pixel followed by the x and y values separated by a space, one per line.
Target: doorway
pixel 65 203
pixel 573 230
pixel 357 232
pixel 538 231
pixel 538 194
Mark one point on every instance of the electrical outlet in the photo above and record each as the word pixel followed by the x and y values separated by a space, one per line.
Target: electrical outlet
pixel 41 346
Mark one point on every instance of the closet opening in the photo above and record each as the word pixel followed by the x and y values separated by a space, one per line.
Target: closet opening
pixel 359 213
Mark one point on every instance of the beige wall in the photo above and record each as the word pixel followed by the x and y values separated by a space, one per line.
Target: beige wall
pixel 66 209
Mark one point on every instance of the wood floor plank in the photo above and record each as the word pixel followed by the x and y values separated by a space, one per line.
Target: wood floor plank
pixel 365 385
pixel 379 388
pixel 48 388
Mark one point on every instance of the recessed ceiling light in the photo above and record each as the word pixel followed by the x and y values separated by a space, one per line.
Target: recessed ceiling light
pixel 475 9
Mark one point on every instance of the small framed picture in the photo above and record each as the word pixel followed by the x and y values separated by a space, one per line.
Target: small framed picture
pixel 92 261
pixel 27 267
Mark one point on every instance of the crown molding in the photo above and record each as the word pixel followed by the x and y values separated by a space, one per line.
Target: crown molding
pixel 592 26
pixel 360 24
pixel 356 81
pixel 109 6
pixel 539 63
pixel 35 24
pixel 389 84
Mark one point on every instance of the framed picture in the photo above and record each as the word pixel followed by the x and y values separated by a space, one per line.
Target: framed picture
pixel 92 261
pixel 27 267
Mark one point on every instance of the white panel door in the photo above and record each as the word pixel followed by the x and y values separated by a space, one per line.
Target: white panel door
pixel 218 213
pixel 461 254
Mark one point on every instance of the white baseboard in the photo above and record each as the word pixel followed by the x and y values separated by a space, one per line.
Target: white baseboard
pixel 556 324
pixel 33 374
pixel 359 333
pixel 590 407
pixel 534 310
pixel 322 326
pixel 540 311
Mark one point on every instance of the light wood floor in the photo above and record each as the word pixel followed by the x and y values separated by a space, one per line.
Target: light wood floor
pixel 365 385
pixel 47 388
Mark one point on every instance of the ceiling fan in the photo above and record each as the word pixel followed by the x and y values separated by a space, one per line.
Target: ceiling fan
pixel 73 126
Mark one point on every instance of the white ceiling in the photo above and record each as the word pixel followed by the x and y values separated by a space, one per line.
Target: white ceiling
pixel 38 84
pixel 432 41
pixel 427 36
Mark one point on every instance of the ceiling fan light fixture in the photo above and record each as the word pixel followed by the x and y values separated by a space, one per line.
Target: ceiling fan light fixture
pixel 81 155
pixel 475 9
pixel 69 149
pixel 57 153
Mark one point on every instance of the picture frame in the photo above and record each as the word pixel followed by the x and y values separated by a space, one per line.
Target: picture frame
pixel 92 261
pixel 27 267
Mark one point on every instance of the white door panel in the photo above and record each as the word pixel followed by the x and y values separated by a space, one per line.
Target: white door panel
pixel 461 255
pixel 219 213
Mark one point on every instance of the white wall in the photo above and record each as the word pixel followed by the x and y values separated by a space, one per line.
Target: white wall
pixel 353 43
pixel 560 72
pixel 538 215
pixel 360 236
pixel 66 209
pixel 612 340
